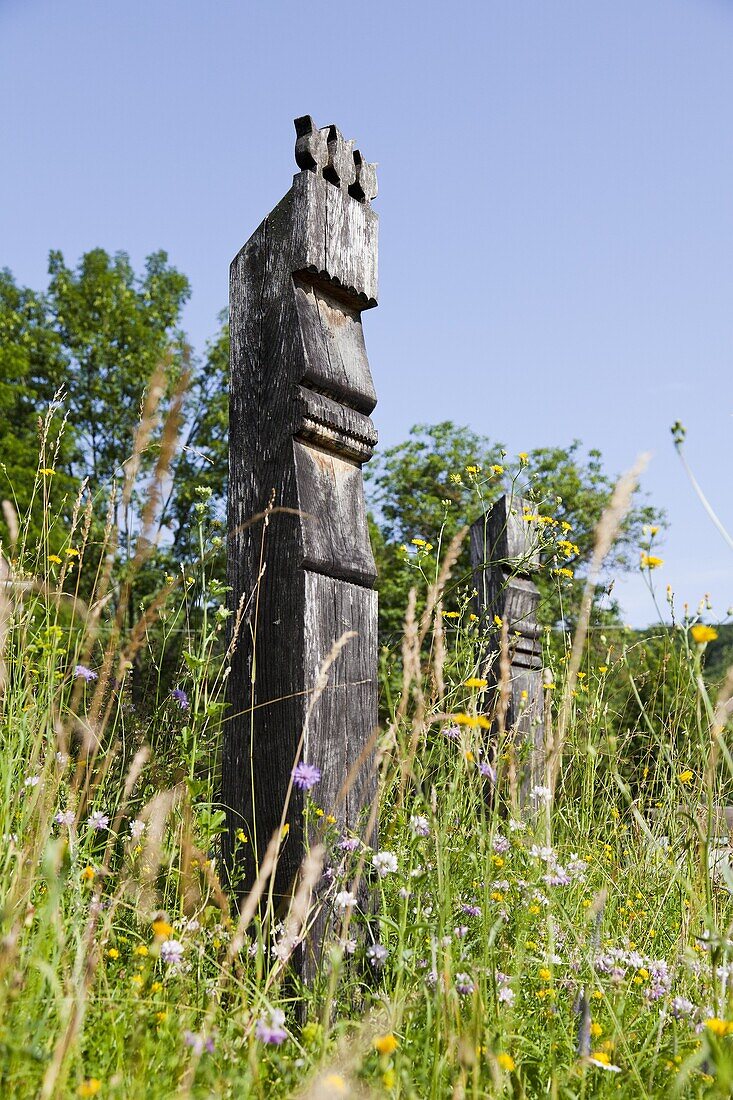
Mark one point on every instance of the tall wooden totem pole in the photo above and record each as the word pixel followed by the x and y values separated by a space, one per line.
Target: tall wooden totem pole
pixel 504 557
pixel 299 433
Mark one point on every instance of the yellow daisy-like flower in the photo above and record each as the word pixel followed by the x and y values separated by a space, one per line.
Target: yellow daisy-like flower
pixel 54 559
pixel 141 949
pixel 46 471
pixel 162 928
pixel 719 1027
pixel 475 682
pixel 496 469
pixel 90 1087
pixel 506 1062
pixel 88 874
pixel 71 552
pixel 685 777
pixel 386 1044
pixel 473 721
pixel 703 634
pixel 418 542
pixel 523 457
pixel 113 953
pixel 650 561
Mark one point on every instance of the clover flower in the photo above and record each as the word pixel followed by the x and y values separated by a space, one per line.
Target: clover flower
pixel 384 863
pixel 269 1029
pixel 420 825
pixel 344 900
pixel 682 1008
pixel 500 844
pixel 198 1043
pixel 81 672
pixel 64 817
pixel 171 952
pixel 377 954
pixel 471 910
pixel 349 844
pixel 98 820
pixel 541 795
pixel 137 828
pixel 464 985
pixel 487 771
pixel 305 776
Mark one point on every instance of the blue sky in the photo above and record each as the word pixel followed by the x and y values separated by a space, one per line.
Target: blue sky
pixel 556 201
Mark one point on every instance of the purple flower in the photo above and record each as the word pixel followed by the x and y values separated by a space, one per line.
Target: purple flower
pixel 500 844
pixel 171 952
pixel 471 910
pixel 306 776
pixel 181 698
pixel 505 996
pixel 420 825
pixel 464 985
pixel 197 1042
pixel 349 844
pixel 64 817
pixel 377 955
pixel 98 820
pixel 84 673
pixel 453 732
pixel 486 770
pixel 270 1029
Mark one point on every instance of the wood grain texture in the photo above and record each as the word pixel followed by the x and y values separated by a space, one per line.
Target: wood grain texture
pixel 301 394
pixel 504 555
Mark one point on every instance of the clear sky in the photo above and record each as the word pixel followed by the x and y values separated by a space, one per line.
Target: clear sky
pixel 556 179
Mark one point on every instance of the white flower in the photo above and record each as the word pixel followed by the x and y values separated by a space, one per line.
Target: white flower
pixel 384 863
pixel 171 951
pixel 541 795
pixel 420 825
pixel 32 781
pixel 344 900
pixel 98 820
pixel 137 828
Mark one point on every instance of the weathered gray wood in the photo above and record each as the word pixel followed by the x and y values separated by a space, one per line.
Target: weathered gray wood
pixel 301 394
pixel 504 555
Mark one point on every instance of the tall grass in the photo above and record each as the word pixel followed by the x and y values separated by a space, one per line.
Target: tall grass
pixel 580 946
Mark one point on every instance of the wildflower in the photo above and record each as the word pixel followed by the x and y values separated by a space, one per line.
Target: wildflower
pixel 171 952
pixel 48 472
pixel 472 470
pixel 344 900
pixel 418 542
pixel 420 825
pixel 84 673
pixel 545 974
pixel 452 733
pixel 98 820
pixel 685 777
pixel 305 776
pixel 472 721
pixel 180 697
pixel 162 928
pixel 475 682
pixel 349 844
pixel 563 571
pixel 71 552
pixel 506 996
pixel 377 954
pixel 471 910
pixel 682 1008
pixel 650 561
pixel 719 1027
pixel 702 634
pixel 141 949
pixel 336 1084
pixel 500 844
pixel 486 770
pixel 31 781
pixel 92 1085
pixel 464 985
pixel 88 874
pixel 137 828
pixel 64 817
pixel 197 1042
pixel 54 559
pixel 384 863
pixel 270 1029
pixel 113 953
pixel 523 457
pixel 506 1062
pixel 541 795
pixel 601 1059
pixel 498 621
pixel 496 469
pixel 386 1044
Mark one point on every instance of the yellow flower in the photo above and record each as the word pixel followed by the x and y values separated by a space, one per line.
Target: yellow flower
pixel 113 953
pixel 471 470
pixel 685 776
pixel 285 830
pixel 241 836
pixel 601 1056
pixel 603 669
pixel 649 561
pixel 319 811
pixel 702 634
pixel 88 874
pixel 498 621
pixel 451 615
pixel 564 572
pixel 71 552
pixel 506 1062
pixel 90 1087
pixel 335 1084
pixel 386 1044
pixel 418 542
pixel 475 682
pixel 388 1078
pixel 160 1016
pixel 330 819
pixel 141 949
pixel 47 472
pixel 137 979
pixel 523 457
pixel 162 928
pixel 497 470
pixel 156 987
pixel 469 756
pixel 596 1030
pixel 55 559
pixel 545 974
pixel 473 721
pixel 719 1027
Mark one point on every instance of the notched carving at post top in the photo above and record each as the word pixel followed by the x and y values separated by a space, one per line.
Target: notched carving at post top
pixel 326 152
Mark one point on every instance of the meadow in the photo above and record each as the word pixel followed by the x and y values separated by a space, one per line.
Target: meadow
pixel 575 945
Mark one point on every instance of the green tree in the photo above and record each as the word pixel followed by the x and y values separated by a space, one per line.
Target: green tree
pixel 444 476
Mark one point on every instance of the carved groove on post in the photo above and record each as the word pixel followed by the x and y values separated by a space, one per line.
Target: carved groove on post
pixel 504 556
pixel 300 430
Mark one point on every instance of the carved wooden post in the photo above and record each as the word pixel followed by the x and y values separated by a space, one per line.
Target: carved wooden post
pixel 504 554
pixel 300 431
